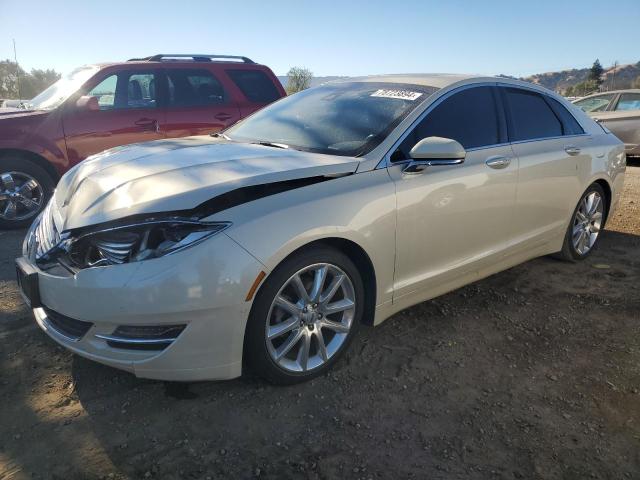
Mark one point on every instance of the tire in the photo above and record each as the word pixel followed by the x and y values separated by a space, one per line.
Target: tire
pixel 22 182
pixel 334 330
pixel 591 224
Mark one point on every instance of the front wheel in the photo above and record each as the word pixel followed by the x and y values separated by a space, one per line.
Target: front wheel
pixel 305 316
pixel 25 189
pixel 585 226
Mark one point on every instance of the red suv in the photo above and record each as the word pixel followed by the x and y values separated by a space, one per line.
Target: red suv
pixel 101 106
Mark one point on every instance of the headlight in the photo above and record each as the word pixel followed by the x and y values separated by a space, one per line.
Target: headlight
pixel 133 243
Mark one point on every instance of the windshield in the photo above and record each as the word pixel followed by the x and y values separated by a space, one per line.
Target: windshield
pixel 338 119
pixel 62 89
pixel 594 104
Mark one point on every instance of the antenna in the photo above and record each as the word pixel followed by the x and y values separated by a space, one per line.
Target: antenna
pixel 15 57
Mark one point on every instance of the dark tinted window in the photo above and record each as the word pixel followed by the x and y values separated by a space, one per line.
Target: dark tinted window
pixel 469 117
pixel 531 116
pixel 570 125
pixel 255 85
pixel 190 87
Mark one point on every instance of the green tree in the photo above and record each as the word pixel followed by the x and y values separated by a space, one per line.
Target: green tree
pixel 298 79
pixel 569 91
pixel 636 82
pixel 13 79
pixel 596 71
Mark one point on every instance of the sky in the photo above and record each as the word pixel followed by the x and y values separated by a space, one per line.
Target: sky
pixel 346 37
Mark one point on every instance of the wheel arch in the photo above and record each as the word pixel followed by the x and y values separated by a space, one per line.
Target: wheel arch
pixel 360 258
pixel 604 184
pixel 32 157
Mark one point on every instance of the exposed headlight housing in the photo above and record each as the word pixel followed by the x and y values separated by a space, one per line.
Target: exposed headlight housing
pixel 137 242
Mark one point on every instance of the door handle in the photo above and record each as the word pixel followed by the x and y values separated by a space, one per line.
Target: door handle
pixel 572 150
pixel 148 124
pixel 498 162
pixel 223 116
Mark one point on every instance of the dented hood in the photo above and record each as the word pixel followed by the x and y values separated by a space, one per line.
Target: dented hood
pixel 179 174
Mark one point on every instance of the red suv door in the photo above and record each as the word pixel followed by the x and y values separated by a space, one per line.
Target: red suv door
pixel 197 102
pixel 130 112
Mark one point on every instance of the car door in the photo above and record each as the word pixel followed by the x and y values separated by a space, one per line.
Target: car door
pixel 129 112
pixel 197 103
pixel 553 151
pixel 624 120
pixel 452 220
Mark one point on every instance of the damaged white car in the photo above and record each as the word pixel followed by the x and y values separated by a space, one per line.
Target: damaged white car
pixel 266 246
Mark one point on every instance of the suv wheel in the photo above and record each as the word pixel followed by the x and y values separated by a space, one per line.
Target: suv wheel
pixel 25 189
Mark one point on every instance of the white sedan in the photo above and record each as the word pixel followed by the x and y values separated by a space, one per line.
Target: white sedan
pixel 266 246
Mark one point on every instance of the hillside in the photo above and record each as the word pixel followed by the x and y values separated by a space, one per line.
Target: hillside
pixel 559 81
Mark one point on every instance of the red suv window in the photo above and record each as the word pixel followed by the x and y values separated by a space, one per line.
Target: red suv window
pixel 255 85
pixel 192 87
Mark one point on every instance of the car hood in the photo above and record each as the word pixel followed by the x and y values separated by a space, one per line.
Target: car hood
pixel 174 175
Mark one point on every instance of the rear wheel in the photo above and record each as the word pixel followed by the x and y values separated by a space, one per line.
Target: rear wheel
pixel 25 189
pixel 585 226
pixel 305 316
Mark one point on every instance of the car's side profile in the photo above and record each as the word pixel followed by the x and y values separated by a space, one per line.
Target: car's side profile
pixel 619 111
pixel 266 246
pixel 97 107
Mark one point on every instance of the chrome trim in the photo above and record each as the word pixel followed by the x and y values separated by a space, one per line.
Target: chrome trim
pixel 135 341
pixel 558 137
pixel 420 165
pixel 43 319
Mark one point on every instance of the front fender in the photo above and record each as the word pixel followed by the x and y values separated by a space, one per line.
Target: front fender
pixel 360 208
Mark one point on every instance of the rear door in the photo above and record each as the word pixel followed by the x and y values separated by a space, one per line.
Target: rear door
pixel 198 103
pixel 552 150
pixel 130 112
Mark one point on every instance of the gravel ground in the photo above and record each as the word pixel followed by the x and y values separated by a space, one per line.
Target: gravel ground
pixel 532 373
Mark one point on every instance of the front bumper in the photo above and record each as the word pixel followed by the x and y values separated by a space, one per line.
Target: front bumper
pixel 203 288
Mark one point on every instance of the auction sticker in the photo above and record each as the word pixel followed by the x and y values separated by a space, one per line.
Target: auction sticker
pixel 400 94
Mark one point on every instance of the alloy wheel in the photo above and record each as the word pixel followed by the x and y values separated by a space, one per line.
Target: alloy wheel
pixel 21 196
pixel 587 222
pixel 310 317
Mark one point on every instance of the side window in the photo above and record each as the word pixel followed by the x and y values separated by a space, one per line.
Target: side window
pixel 531 117
pixel 141 90
pixel 570 125
pixel 629 101
pixel 105 92
pixel 192 87
pixel 595 104
pixel 255 85
pixel 468 116
pixel 126 90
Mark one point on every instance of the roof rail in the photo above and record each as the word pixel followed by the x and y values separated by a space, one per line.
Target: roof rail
pixel 164 57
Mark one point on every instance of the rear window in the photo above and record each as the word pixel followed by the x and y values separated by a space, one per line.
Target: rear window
pixel 255 85
pixel 531 117
pixel 570 125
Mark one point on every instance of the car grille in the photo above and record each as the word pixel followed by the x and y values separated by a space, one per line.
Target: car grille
pixel 67 326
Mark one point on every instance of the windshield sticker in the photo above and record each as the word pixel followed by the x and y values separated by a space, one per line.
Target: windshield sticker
pixel 400 94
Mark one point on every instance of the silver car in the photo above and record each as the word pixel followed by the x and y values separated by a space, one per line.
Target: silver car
pixel 267 246
pixel 619 111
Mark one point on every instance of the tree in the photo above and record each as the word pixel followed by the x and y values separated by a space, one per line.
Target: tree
pixel 298 79
pixel 596 71
pixel 30 84
pixel 636 82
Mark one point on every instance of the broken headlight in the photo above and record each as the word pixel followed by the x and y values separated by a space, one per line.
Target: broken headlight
pixel 134 243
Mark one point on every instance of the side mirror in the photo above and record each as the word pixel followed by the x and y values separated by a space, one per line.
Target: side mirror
pixel 434 151
pixel 88 103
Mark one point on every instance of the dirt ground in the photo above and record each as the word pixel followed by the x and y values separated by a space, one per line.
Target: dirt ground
pixel 532 373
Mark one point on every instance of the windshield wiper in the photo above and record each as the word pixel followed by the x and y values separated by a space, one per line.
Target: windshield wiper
pixel 271 144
